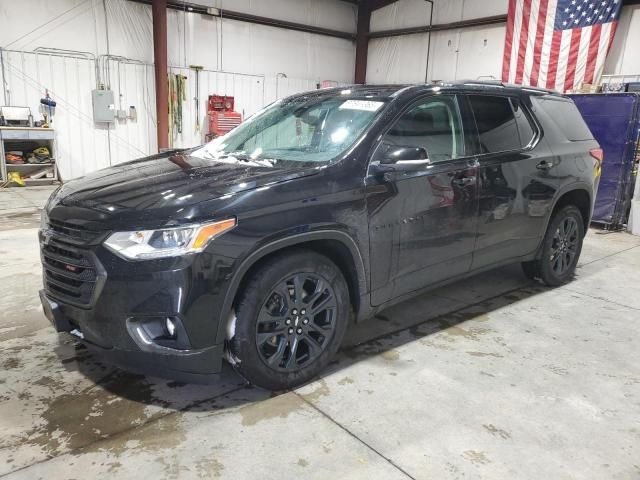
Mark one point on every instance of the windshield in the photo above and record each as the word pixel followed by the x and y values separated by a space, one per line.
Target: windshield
pixel 314 128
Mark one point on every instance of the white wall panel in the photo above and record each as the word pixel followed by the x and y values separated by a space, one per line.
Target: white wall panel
pixel 443 61
pixel 478 8
pixel 80 146
pixel 397 59
pixel 480 52
pixel 455 54
pixel 333 14
pixel 623 57
pixel 401 14
pixel 133 85
pixel 256 52
pixel 247 90
pixel 468 53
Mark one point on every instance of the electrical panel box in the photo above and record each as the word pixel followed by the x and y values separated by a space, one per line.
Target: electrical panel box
pixel 104 108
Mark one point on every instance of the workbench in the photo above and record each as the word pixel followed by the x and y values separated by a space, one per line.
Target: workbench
pixel 26 139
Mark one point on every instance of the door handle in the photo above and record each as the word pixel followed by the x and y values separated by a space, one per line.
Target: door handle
pixel 544 165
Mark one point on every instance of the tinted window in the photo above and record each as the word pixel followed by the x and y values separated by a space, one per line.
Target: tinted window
pixel 566 116
pixel 524 124
pixel 496 123
pixel 433 125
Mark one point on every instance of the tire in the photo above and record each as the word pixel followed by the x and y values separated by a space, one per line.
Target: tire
pixel 561 248
pixel 280 341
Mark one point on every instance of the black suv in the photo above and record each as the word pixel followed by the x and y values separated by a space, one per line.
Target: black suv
pixel 262 244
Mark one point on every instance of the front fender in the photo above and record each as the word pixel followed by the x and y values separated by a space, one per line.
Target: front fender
pixel 279 244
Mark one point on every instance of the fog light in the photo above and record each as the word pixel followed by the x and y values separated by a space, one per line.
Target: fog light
pixel 171 328
pixel 150 333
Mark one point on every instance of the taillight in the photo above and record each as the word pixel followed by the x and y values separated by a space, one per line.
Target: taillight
pixel 598 154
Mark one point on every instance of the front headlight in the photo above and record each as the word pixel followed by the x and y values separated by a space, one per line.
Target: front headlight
pixel 169 242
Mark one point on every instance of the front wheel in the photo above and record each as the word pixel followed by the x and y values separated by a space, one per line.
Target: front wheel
pixel 561 248
pixel 290 319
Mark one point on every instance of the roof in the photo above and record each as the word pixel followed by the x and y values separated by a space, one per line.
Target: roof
pixel 393 90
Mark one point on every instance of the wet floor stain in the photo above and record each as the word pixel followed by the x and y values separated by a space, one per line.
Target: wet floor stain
pixel 485 354
pixel 321 390
pixel 207 468
pixel 10 363
pixel 74 420
pixel 163 433
pixel 495 431
pixel 468 333
pixel 277 407
pixel 557 369
pixel 345 381
pixel 476 457
pixel 391 355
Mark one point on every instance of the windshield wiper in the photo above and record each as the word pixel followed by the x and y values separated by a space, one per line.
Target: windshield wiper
pixel 239 155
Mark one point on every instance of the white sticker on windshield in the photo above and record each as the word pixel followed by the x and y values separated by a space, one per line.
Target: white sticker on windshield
pixel 366 105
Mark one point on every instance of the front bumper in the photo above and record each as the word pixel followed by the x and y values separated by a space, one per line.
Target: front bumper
pixel 193 365
pixel 119 310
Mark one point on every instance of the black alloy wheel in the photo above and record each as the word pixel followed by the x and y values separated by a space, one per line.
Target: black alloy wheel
pixel 564 246
pixel 296 322
pixel 560 249
pixel 291 317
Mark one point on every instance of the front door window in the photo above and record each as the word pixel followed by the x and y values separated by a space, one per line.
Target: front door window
pixel 433 125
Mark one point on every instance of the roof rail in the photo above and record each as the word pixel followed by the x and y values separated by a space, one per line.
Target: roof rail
pixel 484 83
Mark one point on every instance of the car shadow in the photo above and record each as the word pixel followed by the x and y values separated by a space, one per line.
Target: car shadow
pixel 404 323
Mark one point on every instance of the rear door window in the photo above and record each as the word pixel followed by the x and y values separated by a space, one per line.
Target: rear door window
pixel 496 122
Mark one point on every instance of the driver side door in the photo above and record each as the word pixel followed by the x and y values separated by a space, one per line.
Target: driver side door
pixel 422 222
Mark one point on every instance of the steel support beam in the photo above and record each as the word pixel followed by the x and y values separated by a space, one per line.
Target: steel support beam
pixel 362 42
pixel 256 19
pixel 365 8
pixel 159 14
pixel 475 22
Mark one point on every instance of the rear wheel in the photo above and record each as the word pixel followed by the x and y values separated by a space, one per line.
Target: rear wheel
pixel 290 320
pixel 561 248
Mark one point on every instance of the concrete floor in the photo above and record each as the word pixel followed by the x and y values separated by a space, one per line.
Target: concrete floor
pixel 494 377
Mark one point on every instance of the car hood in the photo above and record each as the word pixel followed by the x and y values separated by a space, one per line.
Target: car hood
pixel 172 180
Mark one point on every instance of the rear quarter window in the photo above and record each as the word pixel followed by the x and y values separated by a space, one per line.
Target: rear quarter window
pixel 497 128
pixel 566 117
pixel 527 133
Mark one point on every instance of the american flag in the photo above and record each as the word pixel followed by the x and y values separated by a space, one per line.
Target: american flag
pixel 558 44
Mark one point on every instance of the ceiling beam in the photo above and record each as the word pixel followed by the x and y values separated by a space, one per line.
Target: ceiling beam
pixel 377 4
pixel 255 19
pixel 475 22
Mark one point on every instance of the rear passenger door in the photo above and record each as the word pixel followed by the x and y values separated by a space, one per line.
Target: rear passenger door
pixel 515 179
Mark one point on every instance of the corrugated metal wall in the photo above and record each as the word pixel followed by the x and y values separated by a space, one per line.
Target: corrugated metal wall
pixel 124 29
pixel 84 146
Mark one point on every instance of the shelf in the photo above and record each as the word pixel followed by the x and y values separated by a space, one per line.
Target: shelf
pixel 28 165
pixel 26 140
pixel 24 134
pixel 26 128
pixel 43 180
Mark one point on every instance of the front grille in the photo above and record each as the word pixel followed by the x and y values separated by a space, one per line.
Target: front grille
pixel 71 271
pixel 74 232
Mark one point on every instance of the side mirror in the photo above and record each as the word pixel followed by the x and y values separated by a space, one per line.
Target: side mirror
pixel 396 159
pixel 406 155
